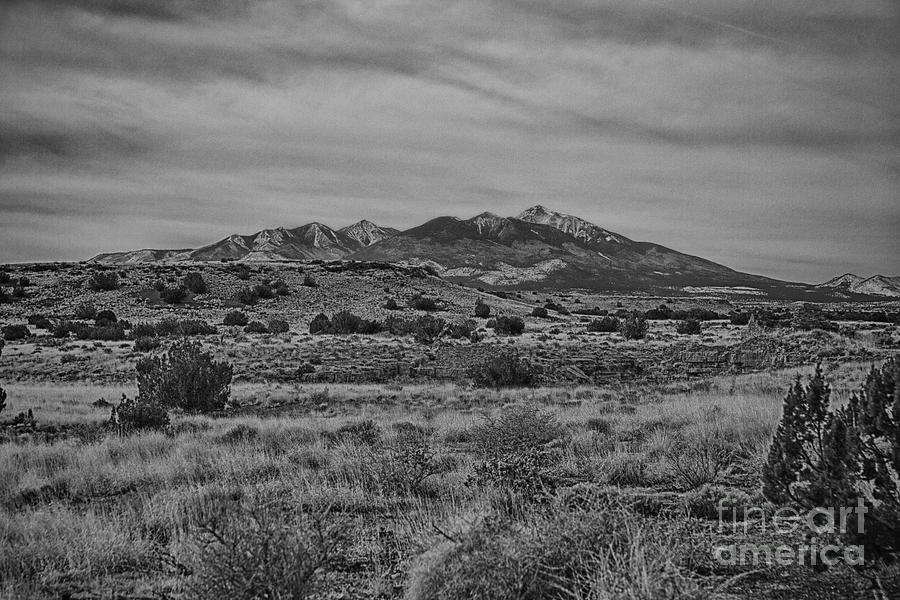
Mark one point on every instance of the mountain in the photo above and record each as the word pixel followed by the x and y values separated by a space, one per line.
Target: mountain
pixel 877 285
pixel 367 233
pixel 538 248
pixel 541 248
pixel 308 242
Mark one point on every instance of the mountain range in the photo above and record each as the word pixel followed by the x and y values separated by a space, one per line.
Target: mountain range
pixel 877 285
pixel 537 248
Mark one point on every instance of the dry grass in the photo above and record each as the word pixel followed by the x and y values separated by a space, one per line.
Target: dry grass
pixel 126 514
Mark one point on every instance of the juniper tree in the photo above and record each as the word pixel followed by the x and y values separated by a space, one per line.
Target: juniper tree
pixel 821 457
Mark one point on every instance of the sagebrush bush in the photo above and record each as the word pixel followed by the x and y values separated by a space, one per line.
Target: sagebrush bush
pixel 183 327
pixel 235 317
pixel 104 281
pixel 362 432
pixel 506 369
pixel 256 327
pixel 540 312
pixel 689 327
pixel 174 295
pixel 105 317
pixel 253 549
pixel 509 325
pixel 278 326
pixel 699 460
pixel 604 325
pixel 634 327
pixel 186 378
pixel 602 551
pixel 145 344
pixel 85 311
pixel 137 414
pixel 343 323
pixel 715 502
pixel 195 283
pixel 482 310
pixel 15 332
pixel 420 302
pixel 391 304
pixel 515 449
pixel 409 463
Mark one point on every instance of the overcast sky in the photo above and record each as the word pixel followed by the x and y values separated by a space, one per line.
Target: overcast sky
pixel 762 134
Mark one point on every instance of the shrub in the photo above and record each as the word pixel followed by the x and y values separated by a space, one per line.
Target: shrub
pixel 540 311
pixel 811 316
pixel 362 432
pixel 5 277
pixel 462 330
pixel 235 317
pixel 504 370
pixel 85 311
pixel 173 295
pixel 108 333
pixel 138 414
pixel 184 327
pixel 15 332
pixel 4 297
pixel 343 323
pixel 105 317
pixel 309 280
pixel 715 502
pixel 599 425
pixel 320 324
pixel 513 450
pixel 2 399
pixel 247 296
pixel 837 457
pixel 159 285
pixel 426 329
pixel 278 326
pixel 509 325
pixel 635 327
pixel 18 292
pixel 739 318
pixel 391 304
pixel 604 325
pixel 420 302
pixel 195 283
pixel 145 344
pixel 263 291
pixel 689 327
pixel 104 281
pixel 482 310
pixel 255 327
pixel 40 322
pixel 254 549
pixel 603 551
pixel 186 378
pixel 407 464
pixel 699 461
pixel 242 272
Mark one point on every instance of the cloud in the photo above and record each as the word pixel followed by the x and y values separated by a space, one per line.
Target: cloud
pixel 235 114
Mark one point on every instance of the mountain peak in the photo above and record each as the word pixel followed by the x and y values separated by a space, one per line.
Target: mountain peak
pixel 366 232
pixel 574 226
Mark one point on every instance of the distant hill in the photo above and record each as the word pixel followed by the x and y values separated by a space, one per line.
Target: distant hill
pixel 877 285
pixel 538 248
pixel 308 242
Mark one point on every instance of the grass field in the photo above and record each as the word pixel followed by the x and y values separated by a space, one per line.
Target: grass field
pixel 367 492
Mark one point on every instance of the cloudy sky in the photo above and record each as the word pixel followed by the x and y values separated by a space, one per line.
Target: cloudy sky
pixel 763 134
